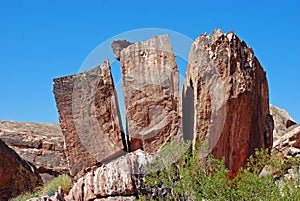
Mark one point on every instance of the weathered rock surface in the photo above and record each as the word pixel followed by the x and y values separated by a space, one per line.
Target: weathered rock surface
pixel 89 117
pixel 282 121
pixel 40 144
pixel 150 89
pixel 288 143
pixel 113 181
pixel 225 99
pixel 117 46
pixel 16 175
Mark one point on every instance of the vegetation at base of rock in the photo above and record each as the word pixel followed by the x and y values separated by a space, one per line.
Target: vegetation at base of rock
pixel 190 179
pixel 25 196
pixel 64 181
pixel 48 189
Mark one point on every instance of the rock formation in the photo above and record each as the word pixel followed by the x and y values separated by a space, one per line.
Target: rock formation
pixel 288 143
pixel 282 121
pixel 116 180
pixel 225 99
pixel 150 88
pixel 89 117
pixel 40 144
pixel 16 175
pixel 117 46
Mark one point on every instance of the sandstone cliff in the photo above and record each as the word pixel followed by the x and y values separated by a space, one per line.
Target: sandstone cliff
pixel 40 144
pixel 16 174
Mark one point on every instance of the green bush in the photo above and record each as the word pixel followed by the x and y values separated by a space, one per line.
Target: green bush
pixel 49 189
pixel 189 179
pixel 25 197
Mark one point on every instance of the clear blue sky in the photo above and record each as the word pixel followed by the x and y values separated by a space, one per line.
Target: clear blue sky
pixel 44 39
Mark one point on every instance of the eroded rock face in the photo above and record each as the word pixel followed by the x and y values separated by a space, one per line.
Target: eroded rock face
pixel 16 175
pixel 225 99
pixel 89 117
pixel 288 143
pixel 113 181
pixel 282 121
pixel 40 144
pixel 150 89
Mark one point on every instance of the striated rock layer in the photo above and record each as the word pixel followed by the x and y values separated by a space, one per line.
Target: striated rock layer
pixel 40 144
pixel 16 174
pixel 89 117
pixel 150 88
pixel 116 180
pixel 225 99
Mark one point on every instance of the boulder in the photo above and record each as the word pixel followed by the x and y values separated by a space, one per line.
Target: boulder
pixel 113 181
pixel 16 175
pixel 282 121
pixel 226 100
pixel 150 89
pixel 117 46
pixel 89 117
pixel 288 143
pixel 40 144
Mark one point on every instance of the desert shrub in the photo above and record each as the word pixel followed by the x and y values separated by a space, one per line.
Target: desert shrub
pixel 25 196
pixel 190 179
pixel 64 181
pixel 49 188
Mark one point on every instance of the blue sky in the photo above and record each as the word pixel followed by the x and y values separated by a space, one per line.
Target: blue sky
pixel 41 40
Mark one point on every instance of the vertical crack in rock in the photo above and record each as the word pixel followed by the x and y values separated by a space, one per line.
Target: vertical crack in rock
pixel 229 103
pixel 89 117
pixel 150 88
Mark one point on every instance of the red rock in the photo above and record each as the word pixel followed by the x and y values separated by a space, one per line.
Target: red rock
pixel 39 143
pixel 225 99
pixel 115 180
pixel 16 175
pixel 150 89
pixel 89 117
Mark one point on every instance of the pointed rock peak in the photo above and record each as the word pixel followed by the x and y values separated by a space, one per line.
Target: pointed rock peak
pixel 225 93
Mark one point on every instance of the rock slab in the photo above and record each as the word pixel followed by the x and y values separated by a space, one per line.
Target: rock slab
pixel 282 121
pixel 226 100
pixel 89 117
pixel 150 89
pixel 40 144
pixel 113 181
pixel 16 175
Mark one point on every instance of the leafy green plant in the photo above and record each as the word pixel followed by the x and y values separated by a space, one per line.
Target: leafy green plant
pixel 191 179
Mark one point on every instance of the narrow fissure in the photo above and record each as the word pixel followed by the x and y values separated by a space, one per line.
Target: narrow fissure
pixel 117 79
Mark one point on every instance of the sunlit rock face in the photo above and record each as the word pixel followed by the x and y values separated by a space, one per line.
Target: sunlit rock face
pixel 89 117
pixel 225 99
pixel 150 89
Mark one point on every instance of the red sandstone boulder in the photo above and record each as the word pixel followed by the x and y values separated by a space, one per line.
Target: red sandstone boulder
pixel 115 180
pixel 89 117
pixel 226 100
pixel 150 88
